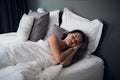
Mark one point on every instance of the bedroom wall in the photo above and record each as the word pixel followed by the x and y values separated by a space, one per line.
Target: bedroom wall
pixel 108 11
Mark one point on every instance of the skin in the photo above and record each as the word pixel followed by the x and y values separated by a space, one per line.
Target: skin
pixel 71 42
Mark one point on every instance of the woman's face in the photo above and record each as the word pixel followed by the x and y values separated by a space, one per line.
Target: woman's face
pixel 73 39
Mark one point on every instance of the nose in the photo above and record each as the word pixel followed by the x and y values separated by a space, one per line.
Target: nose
pixel 74 41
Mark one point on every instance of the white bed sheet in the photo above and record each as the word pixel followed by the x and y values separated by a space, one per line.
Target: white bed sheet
pixel 8 38
pixel 89 68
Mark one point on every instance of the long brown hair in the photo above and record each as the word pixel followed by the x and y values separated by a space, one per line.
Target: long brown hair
pixel 83 48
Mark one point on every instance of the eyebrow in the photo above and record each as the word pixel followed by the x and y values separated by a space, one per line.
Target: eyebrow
pixel 76 35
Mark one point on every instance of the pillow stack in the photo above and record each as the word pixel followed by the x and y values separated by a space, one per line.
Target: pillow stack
pixel 24 28
pixel 93 29
pixel 40 25
pixel 37 24
pixel 53 20
pixel 47 23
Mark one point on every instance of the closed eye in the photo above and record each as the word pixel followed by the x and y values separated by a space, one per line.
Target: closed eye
pixel 73 36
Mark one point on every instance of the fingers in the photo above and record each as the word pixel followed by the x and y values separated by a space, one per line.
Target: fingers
pixel 76 47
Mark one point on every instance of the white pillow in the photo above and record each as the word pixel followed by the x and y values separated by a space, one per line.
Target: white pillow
pixel 93 29
pixel 54 19
pixel 25 26
pixel 52 72
pixel 41 10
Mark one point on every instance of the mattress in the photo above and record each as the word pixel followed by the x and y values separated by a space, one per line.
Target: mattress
pixel 89 68
pixel 8 38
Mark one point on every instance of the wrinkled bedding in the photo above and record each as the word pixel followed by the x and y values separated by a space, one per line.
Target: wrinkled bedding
pixel 8 38
pixel 28 61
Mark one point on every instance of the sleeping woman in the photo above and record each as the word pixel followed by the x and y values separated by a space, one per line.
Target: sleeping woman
pixel 64 50
pixel 51 51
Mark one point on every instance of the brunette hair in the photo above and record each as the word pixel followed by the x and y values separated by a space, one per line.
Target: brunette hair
pixel 75 31
pixel 83 48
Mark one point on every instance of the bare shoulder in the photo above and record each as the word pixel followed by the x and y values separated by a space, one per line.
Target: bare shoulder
pixel 54 44
pixel 53 38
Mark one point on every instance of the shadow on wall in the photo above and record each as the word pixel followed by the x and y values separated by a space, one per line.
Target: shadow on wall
pixel 99 48
pixel 104 31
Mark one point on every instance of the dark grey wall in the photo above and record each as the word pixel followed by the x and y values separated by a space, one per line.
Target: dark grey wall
pixel 106 10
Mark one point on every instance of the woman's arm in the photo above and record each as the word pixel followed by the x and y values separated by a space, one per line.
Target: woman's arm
pixel 55 47
pixel 68 60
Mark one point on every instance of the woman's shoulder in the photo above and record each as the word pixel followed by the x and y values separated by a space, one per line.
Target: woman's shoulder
pixel 53 40
pixel 53 37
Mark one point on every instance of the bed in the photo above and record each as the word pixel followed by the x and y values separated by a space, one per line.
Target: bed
pixel 90 67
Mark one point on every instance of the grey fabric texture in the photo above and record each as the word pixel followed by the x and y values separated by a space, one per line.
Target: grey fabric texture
pixel 40 25
pixel 57 31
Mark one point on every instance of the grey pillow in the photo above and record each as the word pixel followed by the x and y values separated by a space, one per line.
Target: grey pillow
pixel 57 31
pixel 40 25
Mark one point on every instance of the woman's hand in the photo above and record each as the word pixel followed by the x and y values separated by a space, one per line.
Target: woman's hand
pixel 76 47
pixel 68 59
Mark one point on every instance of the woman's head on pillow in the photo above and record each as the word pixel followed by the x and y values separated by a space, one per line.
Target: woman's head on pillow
pixel 77 37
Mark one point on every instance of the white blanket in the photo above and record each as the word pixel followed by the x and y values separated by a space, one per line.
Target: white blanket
pixel 28 61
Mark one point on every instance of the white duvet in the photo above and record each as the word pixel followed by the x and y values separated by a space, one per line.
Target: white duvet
pixel 28 61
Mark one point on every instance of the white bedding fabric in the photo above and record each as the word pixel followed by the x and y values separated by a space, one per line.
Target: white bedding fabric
pixel 31 60
pixel 30 71
pixel 89 68
pixel 8 38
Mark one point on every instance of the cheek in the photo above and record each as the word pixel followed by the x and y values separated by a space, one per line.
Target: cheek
pixel 68 42
pixel 69 36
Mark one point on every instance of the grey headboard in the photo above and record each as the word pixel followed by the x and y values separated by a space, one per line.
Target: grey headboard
pixel 108 11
